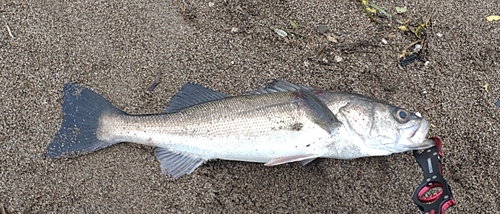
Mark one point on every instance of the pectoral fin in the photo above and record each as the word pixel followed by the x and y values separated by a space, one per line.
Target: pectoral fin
pixel 318 112
pixel 282 160
pixel 307 161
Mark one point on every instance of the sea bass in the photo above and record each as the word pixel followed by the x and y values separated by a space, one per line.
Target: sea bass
pixel 278 124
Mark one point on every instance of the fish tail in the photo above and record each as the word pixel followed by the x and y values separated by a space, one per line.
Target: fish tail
pixel 82 109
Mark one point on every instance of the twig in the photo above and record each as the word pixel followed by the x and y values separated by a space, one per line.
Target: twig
pixel 381 10
pixel 2 209
pixel 367 9
pixel 385 13
pixel 298 34
pixel 154 82
pixel 405 51
pixel 10 34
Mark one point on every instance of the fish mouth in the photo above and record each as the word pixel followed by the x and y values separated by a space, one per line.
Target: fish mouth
pixel 425 144
pixel 418 137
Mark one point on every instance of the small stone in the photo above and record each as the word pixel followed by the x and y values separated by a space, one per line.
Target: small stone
pixel 254 12
pixel 322 29
pixel 191 13
pixel 211 4
pixel 417 48
pixel 439 35
pixel 245 16
pixel 237 30
pixel 280 32
pixel 338 59
pixel 384 41
pixel 331 38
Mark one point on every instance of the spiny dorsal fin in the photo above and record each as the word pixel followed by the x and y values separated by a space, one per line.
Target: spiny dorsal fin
pixel 279 86
pixel 192 94
pixel 175 164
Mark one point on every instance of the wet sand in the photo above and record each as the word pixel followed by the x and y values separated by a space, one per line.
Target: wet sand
pixel 117 47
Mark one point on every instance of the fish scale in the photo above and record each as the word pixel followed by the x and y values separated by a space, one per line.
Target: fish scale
pixel 226 134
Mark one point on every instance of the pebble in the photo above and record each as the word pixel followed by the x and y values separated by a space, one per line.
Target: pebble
pixel 322 29
pixel 417 48
pixel 331 38
pixel 338 59
pixel 498 103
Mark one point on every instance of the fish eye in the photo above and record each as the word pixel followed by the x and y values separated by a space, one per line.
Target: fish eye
pixel 401 115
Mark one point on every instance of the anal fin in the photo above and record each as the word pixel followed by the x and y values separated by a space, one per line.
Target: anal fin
pixel 176 164
pixel 282 160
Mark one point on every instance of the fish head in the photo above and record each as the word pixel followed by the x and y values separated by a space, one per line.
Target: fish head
pixel 383 128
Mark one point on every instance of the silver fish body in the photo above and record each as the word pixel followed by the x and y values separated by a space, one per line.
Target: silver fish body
pixel 278 124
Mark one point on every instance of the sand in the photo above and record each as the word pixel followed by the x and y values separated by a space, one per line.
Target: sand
pixel 117 47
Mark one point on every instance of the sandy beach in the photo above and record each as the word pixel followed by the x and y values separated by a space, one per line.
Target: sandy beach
pixel 116 48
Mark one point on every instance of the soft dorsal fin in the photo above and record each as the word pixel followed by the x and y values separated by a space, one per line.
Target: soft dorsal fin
pixel 279 86
pixel 175 164
pixel 192 94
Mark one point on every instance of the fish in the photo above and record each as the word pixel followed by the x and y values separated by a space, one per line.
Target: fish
pixel 277 124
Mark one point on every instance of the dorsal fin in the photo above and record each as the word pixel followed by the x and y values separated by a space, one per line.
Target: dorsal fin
pixel 192 94
pixel 279 86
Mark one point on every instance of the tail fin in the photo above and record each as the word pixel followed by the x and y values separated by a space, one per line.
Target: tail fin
pixel 77 135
